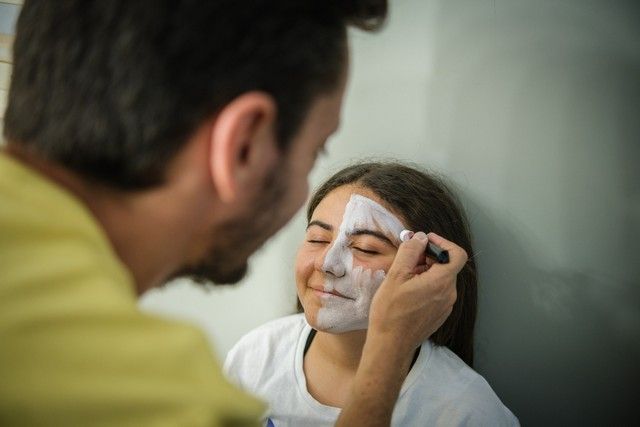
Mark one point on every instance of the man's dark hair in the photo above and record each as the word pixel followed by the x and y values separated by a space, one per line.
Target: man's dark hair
pixel 426 203
pixel 112 89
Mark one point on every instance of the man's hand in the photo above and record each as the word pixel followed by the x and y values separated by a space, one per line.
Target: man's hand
pixel 414 300
pixel 410 307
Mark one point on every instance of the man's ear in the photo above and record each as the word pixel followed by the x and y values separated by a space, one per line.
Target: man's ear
pixel 243 144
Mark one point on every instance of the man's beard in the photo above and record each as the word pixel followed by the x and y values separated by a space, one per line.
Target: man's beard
pixel 235 241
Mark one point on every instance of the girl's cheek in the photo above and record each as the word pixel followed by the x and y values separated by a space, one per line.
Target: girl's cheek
pixel 381 263
pixel 304 258
pixel 384 263
pixel 303 269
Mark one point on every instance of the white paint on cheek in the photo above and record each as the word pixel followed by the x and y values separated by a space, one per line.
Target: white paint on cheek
pixel 339 315
pixel 357 284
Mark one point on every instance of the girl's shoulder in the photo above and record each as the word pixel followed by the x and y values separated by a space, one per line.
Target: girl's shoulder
pixel 264 349
pixel 277 329
pixel 455 389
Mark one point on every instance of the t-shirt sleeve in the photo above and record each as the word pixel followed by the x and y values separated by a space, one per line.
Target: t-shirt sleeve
pixel 232 366
pixel 477 406
pixel 244 362
pixel 74 348
pixel 118 367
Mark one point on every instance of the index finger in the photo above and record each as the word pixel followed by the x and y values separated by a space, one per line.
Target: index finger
pixel 409 255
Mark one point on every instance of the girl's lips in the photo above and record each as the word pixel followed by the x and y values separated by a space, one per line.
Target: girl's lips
pixel 324 294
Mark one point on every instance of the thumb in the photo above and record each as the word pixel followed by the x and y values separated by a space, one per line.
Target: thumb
pixel 410 254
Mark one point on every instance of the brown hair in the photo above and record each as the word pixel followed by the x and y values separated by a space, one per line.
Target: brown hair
pixel 427 204
pixel 112 89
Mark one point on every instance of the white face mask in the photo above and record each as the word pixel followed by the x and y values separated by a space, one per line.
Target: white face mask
pixel 337 314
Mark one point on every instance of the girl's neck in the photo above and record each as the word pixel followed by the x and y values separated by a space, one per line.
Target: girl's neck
pixel 330 366
pixel 342 350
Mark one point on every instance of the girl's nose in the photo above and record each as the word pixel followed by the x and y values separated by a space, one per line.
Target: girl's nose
pixel 333 261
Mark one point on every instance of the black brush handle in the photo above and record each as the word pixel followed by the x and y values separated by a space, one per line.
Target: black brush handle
pixel 436 252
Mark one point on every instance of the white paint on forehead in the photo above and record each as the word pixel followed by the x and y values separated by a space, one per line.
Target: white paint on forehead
pixel 359 213
pixel 357 284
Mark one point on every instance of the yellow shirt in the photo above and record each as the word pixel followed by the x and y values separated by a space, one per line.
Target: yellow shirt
pixel 74 348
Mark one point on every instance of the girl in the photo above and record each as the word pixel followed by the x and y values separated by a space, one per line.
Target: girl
pixel 303 365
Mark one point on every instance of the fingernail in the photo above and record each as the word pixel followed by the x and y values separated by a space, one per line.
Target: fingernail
pixel 406 235
pixel 420 236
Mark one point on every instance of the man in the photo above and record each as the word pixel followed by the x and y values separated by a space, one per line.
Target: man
pixel 156 139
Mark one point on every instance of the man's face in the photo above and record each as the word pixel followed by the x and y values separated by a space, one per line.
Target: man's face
pixel 284 192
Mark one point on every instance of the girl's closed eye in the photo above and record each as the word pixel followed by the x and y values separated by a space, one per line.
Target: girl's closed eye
pixel 318 238
pixel 317 241
pixel 366 251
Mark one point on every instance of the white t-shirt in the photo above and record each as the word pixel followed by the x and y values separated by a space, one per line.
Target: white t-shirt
pixel 440 390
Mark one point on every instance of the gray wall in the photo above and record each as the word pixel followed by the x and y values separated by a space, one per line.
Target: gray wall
pixel 539 105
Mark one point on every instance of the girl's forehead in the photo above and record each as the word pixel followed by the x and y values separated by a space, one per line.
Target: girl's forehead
pixel 335 202
pixel 351 203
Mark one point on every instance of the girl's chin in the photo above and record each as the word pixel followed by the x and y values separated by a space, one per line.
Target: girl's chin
pixel 312 317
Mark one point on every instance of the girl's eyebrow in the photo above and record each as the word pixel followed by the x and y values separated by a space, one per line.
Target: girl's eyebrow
pixel 320 224
pixel 365 231
pixel 356 232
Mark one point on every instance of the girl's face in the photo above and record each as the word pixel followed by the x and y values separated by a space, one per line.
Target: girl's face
pixel 349 246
